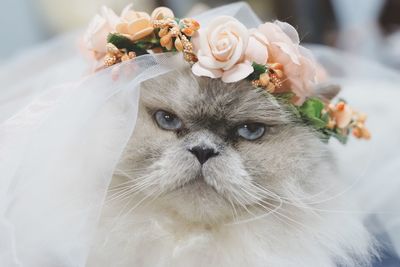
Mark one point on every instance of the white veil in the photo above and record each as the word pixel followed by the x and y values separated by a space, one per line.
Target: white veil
pixel 372 168
pixel 61 136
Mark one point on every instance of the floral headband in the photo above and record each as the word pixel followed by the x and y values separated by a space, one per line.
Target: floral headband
pixel 269 56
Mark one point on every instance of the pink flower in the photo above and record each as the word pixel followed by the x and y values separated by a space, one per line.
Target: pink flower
pixel 220 49
pixel 95 38
pixel 299 66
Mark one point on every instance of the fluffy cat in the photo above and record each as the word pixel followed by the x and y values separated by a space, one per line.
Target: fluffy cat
pixel 224 175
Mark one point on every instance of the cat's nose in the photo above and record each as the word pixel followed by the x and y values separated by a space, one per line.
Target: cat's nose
pixel 203 153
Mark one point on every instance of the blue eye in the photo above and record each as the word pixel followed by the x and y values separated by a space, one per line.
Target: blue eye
pixel 167 121
pixel 251 131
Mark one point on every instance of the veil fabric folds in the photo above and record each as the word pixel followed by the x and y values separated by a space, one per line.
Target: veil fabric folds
pixel 62 133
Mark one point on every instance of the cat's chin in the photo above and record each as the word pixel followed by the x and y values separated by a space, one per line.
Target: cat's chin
pixel 198 202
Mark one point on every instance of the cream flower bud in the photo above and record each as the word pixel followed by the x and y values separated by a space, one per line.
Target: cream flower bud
pixel 162 13
pixel 343 116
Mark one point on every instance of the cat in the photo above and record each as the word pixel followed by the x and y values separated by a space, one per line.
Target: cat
pixel 219 174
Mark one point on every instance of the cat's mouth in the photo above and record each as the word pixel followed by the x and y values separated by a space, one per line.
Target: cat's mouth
pixel 196 200
pixel 198 186
pixel 198 181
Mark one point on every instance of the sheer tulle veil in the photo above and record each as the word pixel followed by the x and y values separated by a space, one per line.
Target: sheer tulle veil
pixel 62 132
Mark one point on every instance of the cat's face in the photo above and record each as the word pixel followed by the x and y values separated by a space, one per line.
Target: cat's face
pixel 206 150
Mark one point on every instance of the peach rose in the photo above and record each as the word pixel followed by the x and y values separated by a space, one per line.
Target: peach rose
pixel 220 49
pixel 136 25
pixel 298 63
pixel 95 38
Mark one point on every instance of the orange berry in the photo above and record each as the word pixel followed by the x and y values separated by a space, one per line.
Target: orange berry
pixel 365 133
pixel 165 40
pixel 188 31
pixel 357 132
pixel 340 106
pixel 264 79
pixel 195 25
pixel 163 32
pixel 276 66
pixel 169 45
pixel 178 44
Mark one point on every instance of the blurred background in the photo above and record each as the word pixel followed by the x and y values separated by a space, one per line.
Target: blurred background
pixel 370 28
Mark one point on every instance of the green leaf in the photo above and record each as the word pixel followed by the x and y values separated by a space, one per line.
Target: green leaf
pixel 311 111
pixel 122 42
pixel 258 70
pixel 312 108
pixel 325 117
pixel 317 123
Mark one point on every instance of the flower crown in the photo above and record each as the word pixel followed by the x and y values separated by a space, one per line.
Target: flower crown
pixel 269 56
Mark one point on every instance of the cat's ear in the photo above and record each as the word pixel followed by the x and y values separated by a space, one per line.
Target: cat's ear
pixel 327 91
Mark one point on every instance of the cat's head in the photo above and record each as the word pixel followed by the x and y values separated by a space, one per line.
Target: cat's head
pixel 207 150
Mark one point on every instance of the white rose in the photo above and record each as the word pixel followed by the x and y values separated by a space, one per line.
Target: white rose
pixel 220 49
